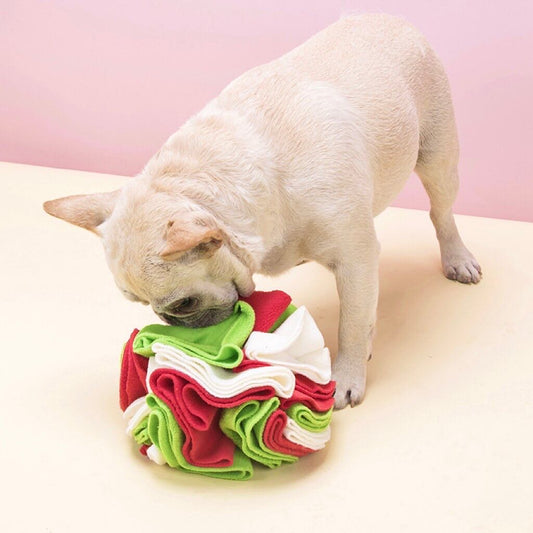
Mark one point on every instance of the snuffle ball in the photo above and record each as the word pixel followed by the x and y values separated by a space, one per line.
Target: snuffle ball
pixel 255 388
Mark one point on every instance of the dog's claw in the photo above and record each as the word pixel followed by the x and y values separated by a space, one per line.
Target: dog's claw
pixel 351 397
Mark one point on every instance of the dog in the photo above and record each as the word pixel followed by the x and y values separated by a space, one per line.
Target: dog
pixel 291 162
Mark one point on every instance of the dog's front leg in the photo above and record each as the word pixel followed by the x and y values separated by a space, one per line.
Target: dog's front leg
pixel 356 273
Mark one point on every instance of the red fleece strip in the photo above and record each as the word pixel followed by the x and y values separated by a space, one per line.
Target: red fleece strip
pixel 268 307
pixel 273 436
pixel 198 413
pixel 143 449
pixel 132 374
pixel 247 364
pixel 313 395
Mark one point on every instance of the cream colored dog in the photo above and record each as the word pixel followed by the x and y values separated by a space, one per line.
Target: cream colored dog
pixel 290 162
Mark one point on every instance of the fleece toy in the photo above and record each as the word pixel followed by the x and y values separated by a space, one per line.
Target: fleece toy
pixel 254 388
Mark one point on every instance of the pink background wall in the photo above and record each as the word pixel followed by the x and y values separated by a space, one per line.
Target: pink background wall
pixel 100 84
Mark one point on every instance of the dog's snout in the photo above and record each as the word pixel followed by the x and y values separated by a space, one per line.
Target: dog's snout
pixel 202 318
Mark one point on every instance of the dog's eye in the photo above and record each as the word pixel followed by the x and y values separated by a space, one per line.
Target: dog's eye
pixel 185 305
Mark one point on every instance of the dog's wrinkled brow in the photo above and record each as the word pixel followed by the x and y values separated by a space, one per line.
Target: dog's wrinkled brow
pixel 151 262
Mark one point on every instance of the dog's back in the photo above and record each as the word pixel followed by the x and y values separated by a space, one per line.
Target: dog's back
pixel 360 92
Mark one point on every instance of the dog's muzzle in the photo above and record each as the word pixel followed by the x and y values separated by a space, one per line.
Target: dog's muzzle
pixel 201 319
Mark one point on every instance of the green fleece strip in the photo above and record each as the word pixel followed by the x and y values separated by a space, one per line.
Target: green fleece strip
pixel 245 425
pixel 165 433
pixel 308 419
pixel 219 345
pixel 140 433
pixel 286 314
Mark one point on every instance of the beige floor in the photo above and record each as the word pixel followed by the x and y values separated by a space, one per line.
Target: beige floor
pixel 442 443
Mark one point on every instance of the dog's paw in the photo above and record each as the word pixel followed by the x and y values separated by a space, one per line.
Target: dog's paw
pixel 350 387
pixel 462 267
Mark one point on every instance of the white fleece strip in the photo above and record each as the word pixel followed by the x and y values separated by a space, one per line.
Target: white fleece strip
pixel 154 454
pixel 309 439
pixel 218 381
pixel 297 344
pixel 135 412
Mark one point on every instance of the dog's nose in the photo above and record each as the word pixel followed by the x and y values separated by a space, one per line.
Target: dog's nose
pixel 183 307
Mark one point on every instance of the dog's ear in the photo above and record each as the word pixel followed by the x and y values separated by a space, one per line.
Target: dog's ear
pixel 85 210
pixel 182 237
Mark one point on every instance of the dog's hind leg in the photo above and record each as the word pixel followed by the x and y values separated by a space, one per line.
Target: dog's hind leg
pixel 437 168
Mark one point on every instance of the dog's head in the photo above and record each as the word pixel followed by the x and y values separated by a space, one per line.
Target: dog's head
pixel 163 250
